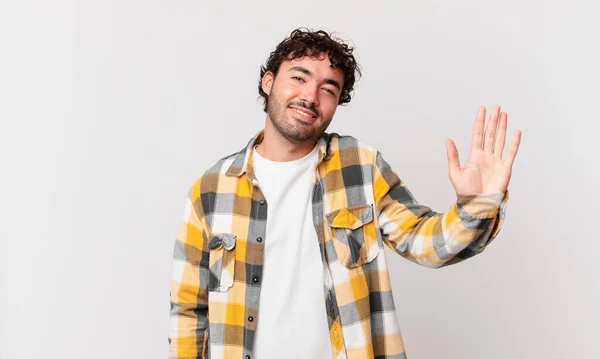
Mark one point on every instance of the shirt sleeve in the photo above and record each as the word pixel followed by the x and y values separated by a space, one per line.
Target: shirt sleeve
pixel 433 239
pixel 188 332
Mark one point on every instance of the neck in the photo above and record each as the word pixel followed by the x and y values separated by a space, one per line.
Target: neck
pixel 275 147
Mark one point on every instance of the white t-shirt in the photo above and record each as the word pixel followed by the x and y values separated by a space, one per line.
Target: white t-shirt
pixel 292 321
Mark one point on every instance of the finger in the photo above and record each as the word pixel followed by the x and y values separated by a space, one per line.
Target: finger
pixel 477 139
pixel 452 152
pixel 490 131
pixel 514 148
pixel 501 137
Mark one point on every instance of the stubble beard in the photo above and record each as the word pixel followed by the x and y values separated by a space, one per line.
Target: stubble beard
pixel 291 129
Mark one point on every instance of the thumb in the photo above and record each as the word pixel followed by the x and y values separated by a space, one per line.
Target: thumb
pixel 452 152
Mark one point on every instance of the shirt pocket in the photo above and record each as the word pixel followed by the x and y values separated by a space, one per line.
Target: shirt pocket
pixel 354 235
pixel 221 262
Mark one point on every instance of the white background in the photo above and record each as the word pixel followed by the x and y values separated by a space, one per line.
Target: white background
pixel 110 110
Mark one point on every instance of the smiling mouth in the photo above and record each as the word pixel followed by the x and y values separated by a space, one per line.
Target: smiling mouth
pixel 303 113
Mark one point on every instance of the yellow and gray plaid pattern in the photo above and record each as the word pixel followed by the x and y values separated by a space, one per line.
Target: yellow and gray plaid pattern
pixel 359 204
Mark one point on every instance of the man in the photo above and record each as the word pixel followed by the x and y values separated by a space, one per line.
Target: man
pixel 280 253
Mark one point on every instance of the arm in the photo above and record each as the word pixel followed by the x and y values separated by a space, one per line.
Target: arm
pixel 189 295
pixel 472 222
pixel 433 239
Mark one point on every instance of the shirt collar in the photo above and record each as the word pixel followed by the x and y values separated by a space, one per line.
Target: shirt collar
pixel 242 162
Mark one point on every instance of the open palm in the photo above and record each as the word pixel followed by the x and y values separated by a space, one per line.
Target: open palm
pixel 485 171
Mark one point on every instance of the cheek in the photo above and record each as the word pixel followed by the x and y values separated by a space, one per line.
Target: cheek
pixel 285 94
pixel 328 108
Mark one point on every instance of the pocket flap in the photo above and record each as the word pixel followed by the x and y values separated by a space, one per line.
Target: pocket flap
pixel 352 217
pixel 227 240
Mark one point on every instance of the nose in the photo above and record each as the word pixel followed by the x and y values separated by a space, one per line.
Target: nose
pixel 310 95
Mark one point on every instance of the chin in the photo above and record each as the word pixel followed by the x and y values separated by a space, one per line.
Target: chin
pixel 300 137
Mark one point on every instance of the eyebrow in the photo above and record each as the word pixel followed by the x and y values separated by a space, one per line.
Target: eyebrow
pixel 307 72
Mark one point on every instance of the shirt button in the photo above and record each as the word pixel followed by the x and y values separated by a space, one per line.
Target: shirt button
pixel 259 239
pixel 250 319
pixel 262 201
pixel 247 356
pixel 255 279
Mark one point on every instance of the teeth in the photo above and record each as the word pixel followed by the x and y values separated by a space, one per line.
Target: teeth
pixel 302 113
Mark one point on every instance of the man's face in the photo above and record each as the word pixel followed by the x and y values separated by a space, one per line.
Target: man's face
pixel 303 97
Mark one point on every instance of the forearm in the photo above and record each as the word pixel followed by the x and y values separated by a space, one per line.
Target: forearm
pixel 188 334
pixel 437 239
pixel 188 330
pixel 429 238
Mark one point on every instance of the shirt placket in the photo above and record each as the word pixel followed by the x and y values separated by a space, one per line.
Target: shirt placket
pixel 253 291
pixel 335 327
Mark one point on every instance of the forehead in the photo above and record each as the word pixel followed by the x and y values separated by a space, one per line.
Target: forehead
pixel 320 66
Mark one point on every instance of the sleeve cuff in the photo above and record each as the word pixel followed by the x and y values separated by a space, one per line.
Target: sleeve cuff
pixel 483 205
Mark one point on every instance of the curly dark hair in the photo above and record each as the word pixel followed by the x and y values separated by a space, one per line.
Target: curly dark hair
pixel 303 42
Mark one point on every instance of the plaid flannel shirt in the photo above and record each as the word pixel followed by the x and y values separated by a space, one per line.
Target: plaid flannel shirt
pixel 358 205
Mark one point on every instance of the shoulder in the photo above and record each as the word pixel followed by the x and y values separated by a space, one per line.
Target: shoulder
pixel 346 145
pixel 208 181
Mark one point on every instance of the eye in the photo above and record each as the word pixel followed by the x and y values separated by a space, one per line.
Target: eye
pixel 298 78
pixel 329 90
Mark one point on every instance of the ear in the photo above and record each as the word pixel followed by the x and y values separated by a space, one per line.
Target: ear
pixel 267 82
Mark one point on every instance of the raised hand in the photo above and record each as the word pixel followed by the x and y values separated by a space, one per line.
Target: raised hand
pixel 485 171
